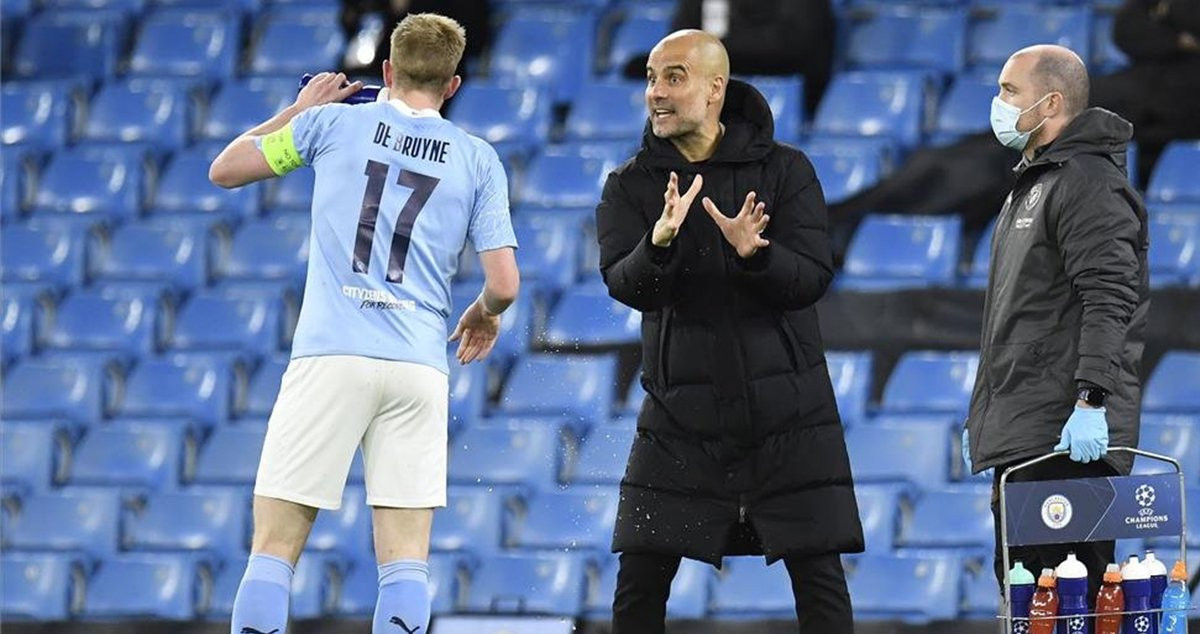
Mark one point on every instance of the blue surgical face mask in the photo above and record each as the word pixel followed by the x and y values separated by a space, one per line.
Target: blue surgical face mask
pixel 1004 123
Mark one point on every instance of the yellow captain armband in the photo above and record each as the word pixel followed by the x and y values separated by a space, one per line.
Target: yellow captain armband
pixel 279 148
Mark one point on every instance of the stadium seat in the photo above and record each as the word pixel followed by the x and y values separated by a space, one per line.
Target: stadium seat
pixel 608 110
pixel 471 521
pixel 908 37
pixel 291 193
pixel 468 392
pixel 242 104
pixel 499 114
pixel 35 454
pixel 897 252
pixel 528 583
pixel 510 453
pixel 318 574
pixel 77 520
pixel 746 588
pixel 558 385
pixel 997 32
pixel 549 246
pixel 1107 57
pixel 579 518
pixel 41 586
pixel 230 455
pixel 185 189
pixel 931 382
pixel 212 321
pixel 1173 435
pixel 915 588
pixel 604 454
pixel 844 169
pixel 360 588
pixel 297 41
pixel 634 37
pixel 128 6
pixel 964 109
pixel 145 252
pixel 785 97
pixel 587 316
pixel 874 103
pixel 188 43
pixel 152 112
pixel 133 454
pixel 16 326
pixel 555 179
pixel 182 386
pixel 850 374
pixel 213 520
pixel 70 44
pixel 913 452
pixel 155 585
pixel 456 624
pixel 16 179
pixel 1173 258
pixel 269 249
pixel 89 320
pixel 1169 210
pixel 41 388
pixel 634 397
pixel 959 517
pixel 551 49
pixel 1174 386
pixel 880 509
pixel 103 183
pixel 39 114
pixel 347 530
pixel 688 597
pixel 1174 177
pixel 981 596
pixel 977 276
pixel 41 253
pixel 264 387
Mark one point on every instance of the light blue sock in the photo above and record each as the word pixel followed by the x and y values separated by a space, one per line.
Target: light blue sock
pixel 403 606
pixel 261 606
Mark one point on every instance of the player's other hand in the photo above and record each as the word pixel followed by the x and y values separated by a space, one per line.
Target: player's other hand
pixel 325 88
pixel 476 333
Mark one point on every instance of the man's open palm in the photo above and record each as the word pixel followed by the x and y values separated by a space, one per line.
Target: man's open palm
pixel 675 209
pixel 743 231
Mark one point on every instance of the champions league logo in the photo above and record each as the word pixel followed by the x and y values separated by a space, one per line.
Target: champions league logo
pixel 1021 626
pixel 1144 495
pixel 1075 625
pixel 1141 624
pixel 1146 518
pixel 1056 511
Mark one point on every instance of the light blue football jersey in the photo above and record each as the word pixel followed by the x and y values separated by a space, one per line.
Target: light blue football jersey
pixel 397 195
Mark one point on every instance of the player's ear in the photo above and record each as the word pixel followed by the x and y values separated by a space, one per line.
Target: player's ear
pixel 452 87
pixel 387 74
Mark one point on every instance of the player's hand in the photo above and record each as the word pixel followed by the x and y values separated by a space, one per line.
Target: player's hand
pixel 476 333
pixel 675 210
pixel 743 231
pixel 325 88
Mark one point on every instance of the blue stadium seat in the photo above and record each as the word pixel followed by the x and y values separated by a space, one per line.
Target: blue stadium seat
pixel 880 509
pixel 1177 436
pixel 297 41
pixel 16 179
pixel 510 453
pixel 914 452
pixel 16 10
pixel 964 109
pixel 291 193
pixel 70 44
pixel 145 252
pixel 634 397
pixel 1174 177
pixel 608 110
pixel 56 388
pixel 958 517
pixel 165 586
pixel 844 169
pixel 558 385
pixel 578 518
pixel 38 113
pixel 500 114
pixel 915 588
pixel 603 456
pixel 346 531
pixel 242 104
pixel 850 373
pixel 16 326
pixel 185 189
pixel 977 277
pixel 552 49
pixel 897 252
pixel 41 586
pixel 35 454
pixel 785 97
pixel 230 455
pixel 83 521
pixel 99 182
pixel 360 588
pixel 556 179
pixel 212 321
pixel 188 43
pixel 1168 210
pixel 128 6
pixel 1173 258
pixel 180 386
pixel 213 520
pixel 471 521
pixel 270 249
pixel 156 113
pixel 1107 57
pixel 264 387
pixel 468 393
pixel 550 245
pixel 313 586
pixel 633 37
pixel 1174 386
pixel 41 253
pixel 688 598
pixel 931 382
pixel 997 32
pixel 587 316
pixel 875 103
pixel 909 37
pixel 532 583
pixel 89 320
pixel 981 595
pixel 455 624
pixel 134 454
pixel 747 588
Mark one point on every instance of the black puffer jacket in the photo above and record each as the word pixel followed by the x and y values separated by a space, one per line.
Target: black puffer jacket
pixel 739 429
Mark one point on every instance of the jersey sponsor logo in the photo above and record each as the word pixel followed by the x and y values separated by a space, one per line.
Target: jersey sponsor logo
pixel 372 299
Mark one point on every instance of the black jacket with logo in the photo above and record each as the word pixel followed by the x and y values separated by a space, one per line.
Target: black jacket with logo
pixel 739 428
pixel 1067 297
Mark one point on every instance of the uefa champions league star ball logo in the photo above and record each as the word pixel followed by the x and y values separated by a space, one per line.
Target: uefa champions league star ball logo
pixel 1145 495
pixel 1075 624
pixel 1142 624
pixel 1021 627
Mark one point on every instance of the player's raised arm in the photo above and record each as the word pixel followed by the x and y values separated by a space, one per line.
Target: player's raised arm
pixel 268 149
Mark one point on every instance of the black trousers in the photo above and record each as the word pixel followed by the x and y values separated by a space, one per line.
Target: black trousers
pixel 818 583
pixel 1095 555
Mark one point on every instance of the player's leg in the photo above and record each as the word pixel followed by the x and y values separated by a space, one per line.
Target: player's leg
pixel 404 452
pixel 822 600
pixel 643 586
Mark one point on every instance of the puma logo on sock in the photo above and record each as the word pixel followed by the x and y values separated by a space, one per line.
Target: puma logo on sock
pixel 404 626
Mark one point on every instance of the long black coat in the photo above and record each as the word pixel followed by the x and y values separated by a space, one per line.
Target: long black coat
pixel 739 447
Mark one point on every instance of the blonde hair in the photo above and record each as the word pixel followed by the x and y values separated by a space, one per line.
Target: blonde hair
pixel 426 49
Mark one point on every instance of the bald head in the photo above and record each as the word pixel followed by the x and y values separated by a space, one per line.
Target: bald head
pixel 1058 69
pixel 706 50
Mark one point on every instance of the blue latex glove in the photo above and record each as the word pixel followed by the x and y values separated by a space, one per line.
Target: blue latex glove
pixel 966 451
pixel 1085 434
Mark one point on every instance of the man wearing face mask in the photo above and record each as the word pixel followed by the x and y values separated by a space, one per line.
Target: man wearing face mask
pixel 739 449
pixel 1067 299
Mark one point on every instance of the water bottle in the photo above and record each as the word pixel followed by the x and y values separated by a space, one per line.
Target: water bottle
pixel 1021 584
pixel 367 94
pixel 1044 606
pixel 1072 596
pixel 1136 586
pixel 1175 602
pixel 1158 578
pixel 1110 602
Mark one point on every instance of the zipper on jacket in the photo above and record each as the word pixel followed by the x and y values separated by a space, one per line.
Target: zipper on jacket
pixel 741 508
